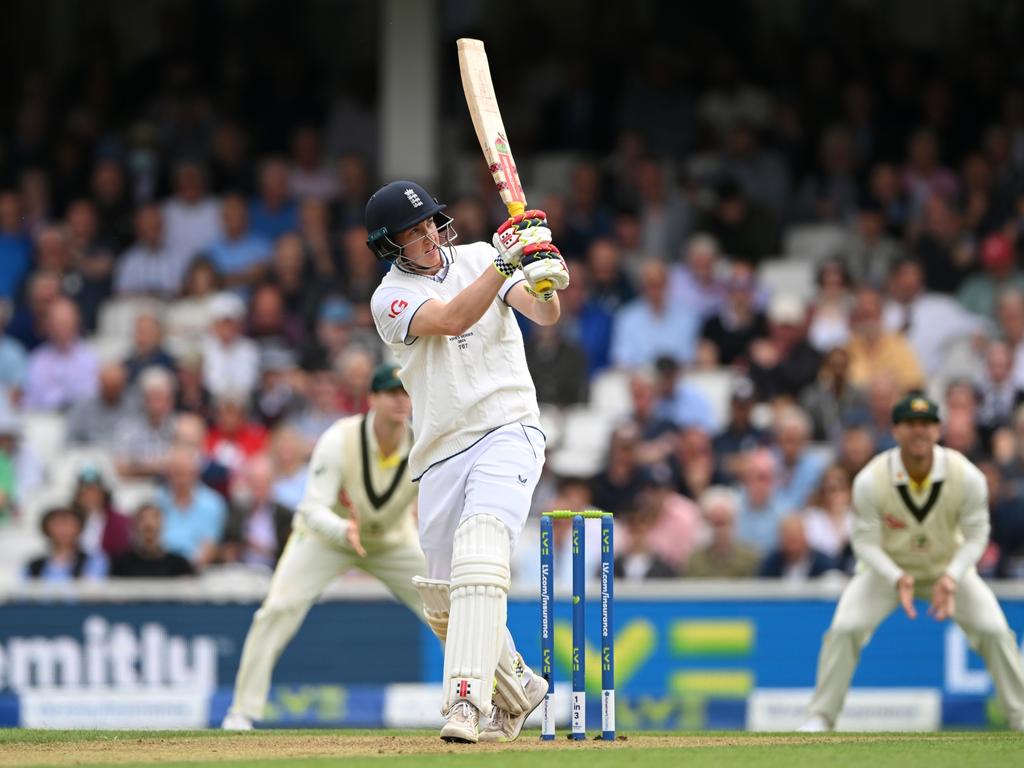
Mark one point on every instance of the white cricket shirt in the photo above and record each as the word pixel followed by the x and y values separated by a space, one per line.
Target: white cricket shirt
pixel 462 387
pixel 940 528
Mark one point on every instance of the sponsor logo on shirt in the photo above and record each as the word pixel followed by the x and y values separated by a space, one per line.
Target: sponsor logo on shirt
pixel 894 522
pixel 398 306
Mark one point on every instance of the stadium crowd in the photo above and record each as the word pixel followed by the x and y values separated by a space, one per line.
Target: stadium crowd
pixel 189 290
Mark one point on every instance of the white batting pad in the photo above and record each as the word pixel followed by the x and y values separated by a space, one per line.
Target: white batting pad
pixel 436 598
pixel 476 625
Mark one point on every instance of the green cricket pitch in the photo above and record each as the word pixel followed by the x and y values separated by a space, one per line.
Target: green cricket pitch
pixel 378 748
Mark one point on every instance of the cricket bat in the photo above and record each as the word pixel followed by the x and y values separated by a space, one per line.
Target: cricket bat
pixel 490 130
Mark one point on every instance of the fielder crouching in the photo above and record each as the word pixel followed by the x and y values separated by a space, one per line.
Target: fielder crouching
pixel 921 522
pixel 357 512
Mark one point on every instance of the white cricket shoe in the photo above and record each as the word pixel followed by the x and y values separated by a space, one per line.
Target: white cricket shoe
pixel 235 721
pixel 504 726
pixel 463 721
pixel 815 724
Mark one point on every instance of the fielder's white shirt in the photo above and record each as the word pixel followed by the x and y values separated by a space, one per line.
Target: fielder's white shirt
pixel 462 387
pixel 941 527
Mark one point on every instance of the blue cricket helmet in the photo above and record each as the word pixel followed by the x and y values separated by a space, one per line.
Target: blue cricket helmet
pixel 394 208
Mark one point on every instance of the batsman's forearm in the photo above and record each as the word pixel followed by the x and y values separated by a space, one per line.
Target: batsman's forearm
pixel 463 312
pixel 325 523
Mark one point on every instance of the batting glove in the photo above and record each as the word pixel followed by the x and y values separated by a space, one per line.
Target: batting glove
pixel 543 265
pixel 525 229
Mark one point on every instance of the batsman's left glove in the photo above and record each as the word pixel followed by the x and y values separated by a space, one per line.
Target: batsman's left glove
pixel 515 236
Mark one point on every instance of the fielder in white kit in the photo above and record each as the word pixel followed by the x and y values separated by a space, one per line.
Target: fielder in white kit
pixel 357 512
pixel 921 522
pixel 446 312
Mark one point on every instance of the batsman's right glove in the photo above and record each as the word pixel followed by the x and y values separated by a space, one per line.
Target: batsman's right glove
pixel 544 270
pixel 529 228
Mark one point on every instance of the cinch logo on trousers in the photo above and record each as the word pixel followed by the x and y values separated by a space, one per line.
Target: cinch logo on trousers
pixel 413 198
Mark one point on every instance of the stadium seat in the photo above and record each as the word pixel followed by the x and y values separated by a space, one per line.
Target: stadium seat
pixel 129 496
pixel 44 432
pixel 552 422
pixel 609 393
pixel 790 275
pixel 62 471
pixel 19 543
pixel 33 507
pixel 814 242
pixel 584 442
pixel 110 348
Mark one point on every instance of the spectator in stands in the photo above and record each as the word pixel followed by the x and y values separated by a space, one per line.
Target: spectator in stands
pixel 586 321
pixel 278 396
pixel 113 205
pixel 192 219
pixel 321 409
pixel 794 560
pixel 257 526
pixel 673 524
pixel 234 438
pixel 960 432
pixel 873 349
pixel 739 321
pixel 558 367
pixel 318 243
pixel 828 521
pixel 979 293
pixel 610 285
pixel 871 251
pixel 829 193
pixel 929 321
pixel 783 363
pixel 147 558
pixel 832 401
pixel 762 507
pixel 290 466
pixel 192 395
pixel 665 215
pixel 274 212
pixel 28 325
pixel 745 231
pixel 651 325
pixel 105 530
pixel 614 488
pixel 190 431
pixel 64 369
pixel 10 433
pixel 696 280
pixel 194 515
pixel 150 267
pixel 65 561
pixel 998 392
pixel 830 312
pixel 740 434
pixel 856 448
pixel 361 270
pixel 268 324
pixel 354 369
pixel 96 421
pixel 923 176
pixel 290 272
pixel 188 318
pixel 354 190
pixel 333 334
pixel 693 463
pixel 15 246
pixel 799 467
pixel 144 437
pixel 230 360
pixel 655 428
pixel 940 243
pixel 1010 318
pixel 148 345
pixel 761 173
pixel 635 560
pixel 309 176
pixel 679 401
pixel 92 256
pixel 13 358
pixel 240 256
pixel 724 556
pixel 230 169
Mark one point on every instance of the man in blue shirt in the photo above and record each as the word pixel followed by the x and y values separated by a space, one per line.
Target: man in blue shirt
pixel 15 246
pixel 274 212
pixel 194 515
pixel 241 256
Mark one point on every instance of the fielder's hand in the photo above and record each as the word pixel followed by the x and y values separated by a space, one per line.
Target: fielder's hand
pixel 943 598
pixel 905 589
pixel 543 265
pixel 515 235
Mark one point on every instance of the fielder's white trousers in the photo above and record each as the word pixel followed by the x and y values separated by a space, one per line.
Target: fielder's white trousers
pixel 496 476
pixel 869 598
pixel 306 567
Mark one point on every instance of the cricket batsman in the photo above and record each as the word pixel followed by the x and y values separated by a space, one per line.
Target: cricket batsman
pixel 358 512
pixel 446 312
pixel 921 522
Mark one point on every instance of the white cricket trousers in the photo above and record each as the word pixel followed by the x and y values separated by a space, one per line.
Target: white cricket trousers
pixel 306 567
pixel 869 598
pixel 495 476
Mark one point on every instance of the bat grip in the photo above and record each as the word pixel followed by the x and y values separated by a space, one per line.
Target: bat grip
pixel 515 208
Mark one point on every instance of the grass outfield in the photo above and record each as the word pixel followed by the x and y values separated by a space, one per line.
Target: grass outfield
pixel 373 749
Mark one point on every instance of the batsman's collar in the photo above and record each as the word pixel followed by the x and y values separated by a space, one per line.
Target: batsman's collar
pixel 385 378
pixel 915 405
